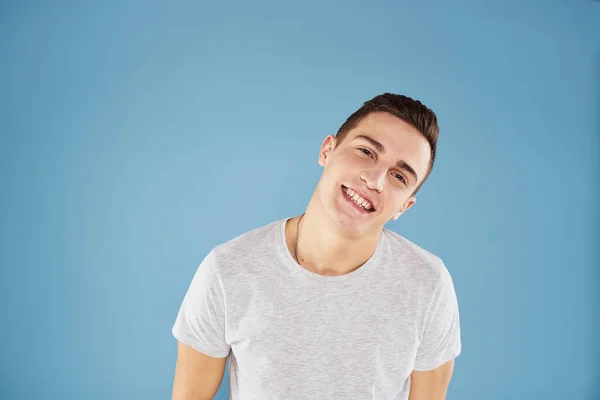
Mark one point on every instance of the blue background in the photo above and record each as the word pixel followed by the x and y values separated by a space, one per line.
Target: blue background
pixel 135 136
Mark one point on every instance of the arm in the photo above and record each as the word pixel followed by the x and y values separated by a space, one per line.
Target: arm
pixel 197 376
pixel 440 343
pixel 200 331
pixel 431 385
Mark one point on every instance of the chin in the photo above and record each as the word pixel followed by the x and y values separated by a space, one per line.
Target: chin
pixel 348 218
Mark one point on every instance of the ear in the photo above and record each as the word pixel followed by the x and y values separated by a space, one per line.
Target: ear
pixel 408 205
pixel 326 149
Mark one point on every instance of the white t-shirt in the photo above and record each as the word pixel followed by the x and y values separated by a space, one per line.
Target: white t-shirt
pixel 294 334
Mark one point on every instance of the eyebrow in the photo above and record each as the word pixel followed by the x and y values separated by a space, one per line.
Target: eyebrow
pixel 380 148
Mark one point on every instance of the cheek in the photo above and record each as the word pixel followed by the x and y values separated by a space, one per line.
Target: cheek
pixel 342 165
pixel 350 162
pixel 393 201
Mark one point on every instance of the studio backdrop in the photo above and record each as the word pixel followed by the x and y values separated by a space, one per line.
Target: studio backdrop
pixel 137 135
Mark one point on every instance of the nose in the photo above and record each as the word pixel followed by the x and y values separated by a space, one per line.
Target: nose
pixel 374 178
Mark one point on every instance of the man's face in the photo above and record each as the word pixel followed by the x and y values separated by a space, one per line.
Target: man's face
pixel 368 177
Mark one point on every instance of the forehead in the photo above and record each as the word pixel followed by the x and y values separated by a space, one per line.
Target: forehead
pixel 401 140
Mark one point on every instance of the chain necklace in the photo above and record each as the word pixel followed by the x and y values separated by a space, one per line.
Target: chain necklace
pixel 296 240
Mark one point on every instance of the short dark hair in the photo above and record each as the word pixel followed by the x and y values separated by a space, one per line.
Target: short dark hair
pixel 407 109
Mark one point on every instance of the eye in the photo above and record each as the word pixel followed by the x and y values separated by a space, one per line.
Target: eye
pixel 400 178
pixel 365 151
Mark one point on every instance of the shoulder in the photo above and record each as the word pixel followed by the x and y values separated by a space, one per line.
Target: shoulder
pixel 250 240
pixel 425 266
pixel 247 248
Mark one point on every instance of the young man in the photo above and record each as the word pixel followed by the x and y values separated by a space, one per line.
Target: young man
pixel 330 304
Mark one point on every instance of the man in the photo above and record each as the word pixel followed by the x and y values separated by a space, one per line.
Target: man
pixel 330 304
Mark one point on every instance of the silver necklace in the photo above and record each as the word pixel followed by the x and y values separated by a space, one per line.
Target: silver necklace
pixel 296 240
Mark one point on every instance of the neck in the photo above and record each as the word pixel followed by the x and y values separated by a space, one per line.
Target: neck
pixel 324 247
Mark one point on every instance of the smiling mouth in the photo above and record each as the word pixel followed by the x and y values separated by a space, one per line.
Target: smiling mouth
pixel 357 199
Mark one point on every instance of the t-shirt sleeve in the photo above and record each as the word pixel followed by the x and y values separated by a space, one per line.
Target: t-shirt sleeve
pixel 441 341
pixel 200 322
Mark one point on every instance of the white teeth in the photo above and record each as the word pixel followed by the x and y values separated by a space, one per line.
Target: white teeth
pixel 357 199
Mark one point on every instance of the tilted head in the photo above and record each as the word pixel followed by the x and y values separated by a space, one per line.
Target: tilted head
pixel 380 158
